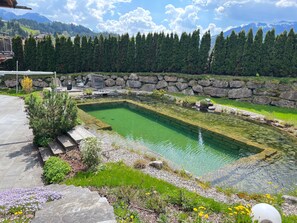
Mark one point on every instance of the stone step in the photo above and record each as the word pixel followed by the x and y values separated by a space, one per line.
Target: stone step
pixel 79 133
pixel 77 205
pixel 56 148
pixel 66 142
pixel 45 153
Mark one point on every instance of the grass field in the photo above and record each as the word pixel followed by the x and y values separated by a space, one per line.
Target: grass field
pixel 288 115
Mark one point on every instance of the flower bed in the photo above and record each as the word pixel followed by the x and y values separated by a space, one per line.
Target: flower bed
pixel 21 204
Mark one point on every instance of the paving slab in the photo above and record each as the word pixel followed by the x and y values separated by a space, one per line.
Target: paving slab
pixel 19 161
pixel 56 148
pixel 66 142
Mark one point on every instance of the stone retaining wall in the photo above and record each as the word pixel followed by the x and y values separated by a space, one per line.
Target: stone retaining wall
pixel 255 91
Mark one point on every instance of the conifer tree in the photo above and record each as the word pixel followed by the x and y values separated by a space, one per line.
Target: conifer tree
pixel 219 55
pixel 30 54
pixel 289 54
pixel 279 66
pixel 258 50
pixel 231 53
pixel 77 54
pixel 248 63
pixel 204 53
pixel 268 58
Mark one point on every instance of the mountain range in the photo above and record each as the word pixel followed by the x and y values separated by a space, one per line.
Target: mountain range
pixel 279 27
pixel 7 16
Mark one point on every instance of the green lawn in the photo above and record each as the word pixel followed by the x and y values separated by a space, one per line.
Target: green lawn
pixel 128 186
pixel 288 115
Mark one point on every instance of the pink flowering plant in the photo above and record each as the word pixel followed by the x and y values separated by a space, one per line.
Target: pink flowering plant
pixel 19 205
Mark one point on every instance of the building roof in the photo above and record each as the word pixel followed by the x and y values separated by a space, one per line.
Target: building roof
pixel 12 4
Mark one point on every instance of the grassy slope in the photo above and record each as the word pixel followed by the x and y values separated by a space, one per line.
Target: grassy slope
pixel 30 31
pixel 288 115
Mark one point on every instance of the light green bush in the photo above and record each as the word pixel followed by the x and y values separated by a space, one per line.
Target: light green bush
pixel 90 149
pixel 55 169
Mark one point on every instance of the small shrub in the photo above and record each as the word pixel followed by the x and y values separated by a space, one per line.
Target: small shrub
pixel 158 93
pixel 140 164
pixel 55 169
pixel 88 91
pixel 27 84
pixel 90 149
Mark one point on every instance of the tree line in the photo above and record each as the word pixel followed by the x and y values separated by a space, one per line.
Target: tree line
pixel 238 54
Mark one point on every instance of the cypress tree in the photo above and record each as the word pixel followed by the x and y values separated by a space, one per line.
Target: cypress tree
pixel 289 54
pixel 258 50
pixel 248 63
pixel 204 53
pixel 268 58
pixel 241 39
pixel 231 53
pixel 131 55
pixel 77 54
pixel 219 55
pixel 183 51
pixel 84 55
pixel 279 66
pixel 193 53
pixel 175 58
pixel 30 50
pixel 122 65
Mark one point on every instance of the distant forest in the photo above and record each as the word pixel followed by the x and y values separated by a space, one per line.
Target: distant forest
pixel 238 55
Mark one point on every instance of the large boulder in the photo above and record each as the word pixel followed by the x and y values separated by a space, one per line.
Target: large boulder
pixel 133 84
pixel 160 77
pixel 156 164
pixel 10 83
pixel 216 92
pixel 148 79
pixel 133 76
pixel 170 78
pixel 181 86
pixel 192 83
pixel 262 100
pixel 120 81
pixel 240 93
pixel 182 80
pixel 253 84
pixel 284 103
pixel 188 91
pixel 266 92
pixel 237 84
pixel 271 85
pixel 289 95
pixel 148 87
pixel 220 84
pixel 110 82
pixel 197 88
pixel 172 89
pixel 204 83
pixel 162 84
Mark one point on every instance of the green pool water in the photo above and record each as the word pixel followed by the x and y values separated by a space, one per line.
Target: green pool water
pixel 199 152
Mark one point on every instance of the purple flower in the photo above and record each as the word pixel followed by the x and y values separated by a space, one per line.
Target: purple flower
pixel 29 200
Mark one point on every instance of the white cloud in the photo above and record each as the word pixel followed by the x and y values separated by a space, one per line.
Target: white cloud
pixel 202 2
pixel 182 19
pixel 214 30
pixel 71 5
pixel 286 3
pixel 138 20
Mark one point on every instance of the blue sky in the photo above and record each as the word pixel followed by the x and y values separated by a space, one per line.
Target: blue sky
pixel 121 16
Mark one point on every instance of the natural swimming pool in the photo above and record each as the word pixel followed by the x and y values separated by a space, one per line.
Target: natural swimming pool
pixel 194 150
